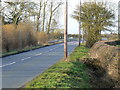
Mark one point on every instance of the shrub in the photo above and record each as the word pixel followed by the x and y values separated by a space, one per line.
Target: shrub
pixel 24 35
pixel 56 35
pixel 9 38
pixel 42 37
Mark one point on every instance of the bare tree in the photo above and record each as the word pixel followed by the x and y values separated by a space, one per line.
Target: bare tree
pixel 52 11
pixel 44 14
pixel 39 14
pixel 16 11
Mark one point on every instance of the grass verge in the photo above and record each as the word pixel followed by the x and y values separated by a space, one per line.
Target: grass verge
pixel 64 74
pixel 78 53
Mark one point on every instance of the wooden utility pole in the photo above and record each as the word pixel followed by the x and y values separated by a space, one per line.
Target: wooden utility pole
pixel 79 25
pixel 65 31
pixel 119 20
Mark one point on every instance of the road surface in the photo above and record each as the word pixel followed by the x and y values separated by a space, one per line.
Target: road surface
pixel 21 68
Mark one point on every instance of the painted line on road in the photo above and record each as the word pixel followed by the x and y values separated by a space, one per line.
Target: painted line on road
pixel 29 57
pixel 25 58
pixel 61 44
pixel 14 62
pixel 46 51
pixel 51 50
pixel 38 54
pixel 8 64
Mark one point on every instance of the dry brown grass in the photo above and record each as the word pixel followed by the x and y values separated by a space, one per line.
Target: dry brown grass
pixel 108 58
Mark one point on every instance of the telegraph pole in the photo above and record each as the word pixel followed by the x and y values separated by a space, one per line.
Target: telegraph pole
pixel 65 31
pixel 119 20
pixel 79 25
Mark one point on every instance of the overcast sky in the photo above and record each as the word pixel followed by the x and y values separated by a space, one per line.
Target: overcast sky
pixel 73 24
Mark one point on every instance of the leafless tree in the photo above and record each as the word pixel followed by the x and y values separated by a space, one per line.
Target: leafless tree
pixel 53 8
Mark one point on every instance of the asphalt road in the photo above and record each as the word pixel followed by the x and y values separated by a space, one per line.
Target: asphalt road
pixel 21 68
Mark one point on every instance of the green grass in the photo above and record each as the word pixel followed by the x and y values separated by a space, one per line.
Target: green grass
pixel 118 45
pixel 79 52
pixel 64 74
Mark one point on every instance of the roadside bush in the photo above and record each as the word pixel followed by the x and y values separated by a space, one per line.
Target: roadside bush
pixel 56 35
pixel 0 42
pixel 9 38
pixel 22 36
pixel 42 37
pixel 26 35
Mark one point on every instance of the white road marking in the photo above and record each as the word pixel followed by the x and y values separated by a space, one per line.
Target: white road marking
pixel 61 44
pixel 8 64
pixel 47 51
pixel 25 58
pixel 50 50
pixel 38 54
pixel 29 57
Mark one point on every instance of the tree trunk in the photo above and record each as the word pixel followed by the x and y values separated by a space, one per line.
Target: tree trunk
pixel 38 17
pixel 50 19
pixel 45 3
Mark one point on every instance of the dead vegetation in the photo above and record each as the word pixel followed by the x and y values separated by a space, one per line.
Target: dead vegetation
pixel 99 78
pixel 24 35
pixel 103 66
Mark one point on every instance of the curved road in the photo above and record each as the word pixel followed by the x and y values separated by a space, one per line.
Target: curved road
pixel 21 68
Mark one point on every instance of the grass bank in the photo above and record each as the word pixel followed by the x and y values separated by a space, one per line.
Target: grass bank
pixel 64 74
